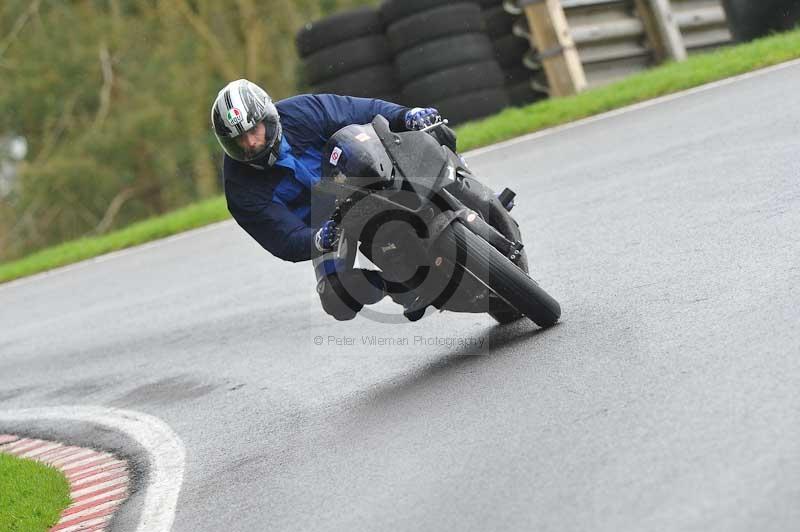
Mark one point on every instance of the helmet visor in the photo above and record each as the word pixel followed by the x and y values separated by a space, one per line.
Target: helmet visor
pixel 255 144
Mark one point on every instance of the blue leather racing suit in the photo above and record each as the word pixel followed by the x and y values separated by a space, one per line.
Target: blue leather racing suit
pixel 275 204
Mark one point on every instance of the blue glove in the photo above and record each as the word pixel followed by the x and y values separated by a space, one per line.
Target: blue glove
pixel 327 237
pixel 419 118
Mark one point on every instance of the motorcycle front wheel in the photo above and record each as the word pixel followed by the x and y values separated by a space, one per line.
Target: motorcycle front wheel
pixel 487 265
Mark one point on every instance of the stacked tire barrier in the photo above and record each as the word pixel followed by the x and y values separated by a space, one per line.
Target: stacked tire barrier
pixel 525 81
pixel 755 18
pixel 471 58
pixel 348 53
pixel 443 57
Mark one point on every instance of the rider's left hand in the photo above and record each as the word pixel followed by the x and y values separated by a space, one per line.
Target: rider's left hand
pixel 420 118
pixel 327 237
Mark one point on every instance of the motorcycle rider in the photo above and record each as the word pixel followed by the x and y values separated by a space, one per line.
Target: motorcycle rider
pixel 273 158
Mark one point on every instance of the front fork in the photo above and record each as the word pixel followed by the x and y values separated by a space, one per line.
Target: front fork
pixel 476 223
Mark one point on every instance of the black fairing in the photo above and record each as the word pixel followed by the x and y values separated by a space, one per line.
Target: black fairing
pixel 418 156
pixel 355 156
pixel 371 170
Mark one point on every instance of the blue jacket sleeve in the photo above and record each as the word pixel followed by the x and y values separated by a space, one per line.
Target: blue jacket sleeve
pixel 341 111
pixel 271 224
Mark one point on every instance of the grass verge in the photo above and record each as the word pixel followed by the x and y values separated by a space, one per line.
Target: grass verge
pixel 510 123
pixel 32 495
pixel 190 217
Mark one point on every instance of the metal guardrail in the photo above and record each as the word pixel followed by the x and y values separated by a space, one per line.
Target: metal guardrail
pixel 611 38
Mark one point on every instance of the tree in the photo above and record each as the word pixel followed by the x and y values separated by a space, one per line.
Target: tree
pixel 113 97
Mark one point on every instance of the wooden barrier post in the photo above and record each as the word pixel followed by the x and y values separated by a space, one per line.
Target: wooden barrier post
pixel 662 29
pixel 551 37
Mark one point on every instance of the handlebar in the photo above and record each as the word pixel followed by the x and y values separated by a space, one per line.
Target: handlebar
pixel 435 125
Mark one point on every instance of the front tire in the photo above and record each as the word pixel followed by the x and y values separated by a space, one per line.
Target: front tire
pixel 500 275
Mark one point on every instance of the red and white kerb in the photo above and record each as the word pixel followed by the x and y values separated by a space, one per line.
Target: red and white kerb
pixel 98 481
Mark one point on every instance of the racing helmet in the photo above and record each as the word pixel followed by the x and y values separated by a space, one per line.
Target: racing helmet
pixel 238 108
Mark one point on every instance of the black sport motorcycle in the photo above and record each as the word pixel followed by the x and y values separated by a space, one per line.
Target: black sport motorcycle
pixel 441 238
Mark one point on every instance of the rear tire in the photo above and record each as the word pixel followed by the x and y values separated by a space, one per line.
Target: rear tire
pixel 521 94
pixel 498 22
pixel 473 105
pixel 434 24
pixel 366 83
pixel 454 81
pixel 749 19
pixel 440 54
pixel 347 57
pixel 344 26
pixel 500 275
pixel 394 10
pixel 509 50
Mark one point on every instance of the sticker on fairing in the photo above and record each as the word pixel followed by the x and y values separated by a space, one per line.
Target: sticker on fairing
pixel 235 116
pixel 363 137
pixel 337 152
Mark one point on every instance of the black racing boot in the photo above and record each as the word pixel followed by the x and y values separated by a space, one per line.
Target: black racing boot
pixel 410 302
pixel 344 294
pixel 412 314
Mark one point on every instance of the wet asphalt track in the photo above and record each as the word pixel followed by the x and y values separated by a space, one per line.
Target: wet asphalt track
pixel 668 398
